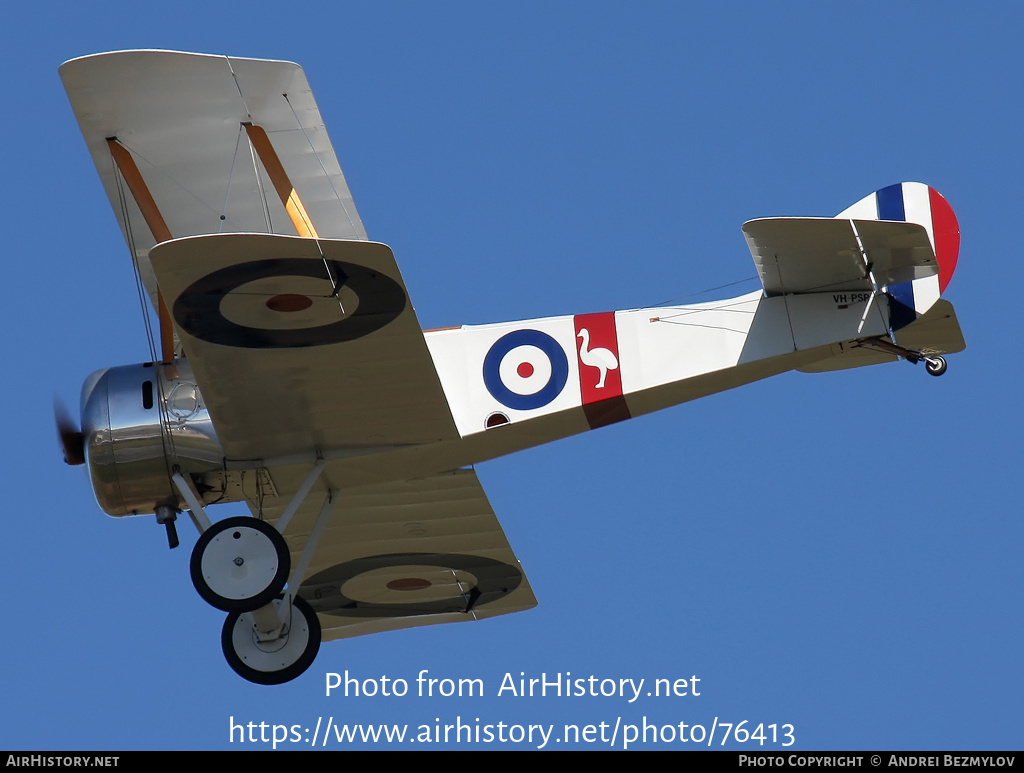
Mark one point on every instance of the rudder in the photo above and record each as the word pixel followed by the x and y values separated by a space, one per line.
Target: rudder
pixel 912 202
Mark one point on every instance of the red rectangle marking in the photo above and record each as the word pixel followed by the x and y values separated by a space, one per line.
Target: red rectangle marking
pixel 597 354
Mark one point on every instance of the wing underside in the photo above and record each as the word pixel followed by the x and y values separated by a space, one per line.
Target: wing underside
pixel 408 553
pixel 302 345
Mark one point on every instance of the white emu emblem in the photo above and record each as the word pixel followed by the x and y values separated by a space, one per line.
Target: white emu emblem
pixel 599 358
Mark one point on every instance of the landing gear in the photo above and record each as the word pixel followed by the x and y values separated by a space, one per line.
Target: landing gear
pixel 269 657
pixel 935 366
pixel 240 564
pixel 933 363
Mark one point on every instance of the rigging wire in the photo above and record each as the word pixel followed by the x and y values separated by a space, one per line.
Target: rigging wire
pixel 162 172
pixel 704 292
pixel 130 238
pixel 166 439
pixel 336 283
pixel 727 305
pixel 231 175
pixel 259 180
pixel 330 179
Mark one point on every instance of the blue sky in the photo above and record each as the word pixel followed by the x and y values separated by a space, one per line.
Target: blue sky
pixel 838 552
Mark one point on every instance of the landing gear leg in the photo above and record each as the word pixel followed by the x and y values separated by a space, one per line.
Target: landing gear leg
pixel 934 364
pixel 241 565
pixel 272 657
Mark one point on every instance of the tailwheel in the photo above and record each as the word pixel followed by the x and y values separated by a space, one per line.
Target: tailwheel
pixel 263 660
pixel 240 564
pixel 933 363
pixel 935 366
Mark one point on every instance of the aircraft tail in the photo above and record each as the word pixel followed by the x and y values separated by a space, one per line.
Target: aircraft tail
pixel 927 326
pixel 914 203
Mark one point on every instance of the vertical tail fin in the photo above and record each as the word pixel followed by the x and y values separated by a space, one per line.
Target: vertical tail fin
pixel 915 203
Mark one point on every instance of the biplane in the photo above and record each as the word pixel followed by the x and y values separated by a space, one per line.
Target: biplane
pixel 292 375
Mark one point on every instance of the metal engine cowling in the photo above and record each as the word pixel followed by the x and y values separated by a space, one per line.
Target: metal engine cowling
pixel 140 422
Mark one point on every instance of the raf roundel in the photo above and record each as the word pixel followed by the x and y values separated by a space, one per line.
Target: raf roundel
pixel 525 370
pixel 200 309
pixel 410 585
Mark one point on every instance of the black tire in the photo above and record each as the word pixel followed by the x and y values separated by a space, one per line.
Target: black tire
pixel 935 366
pixel 263 666
pixel 279 569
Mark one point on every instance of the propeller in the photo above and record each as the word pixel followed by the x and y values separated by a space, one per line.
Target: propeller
pixel 72 441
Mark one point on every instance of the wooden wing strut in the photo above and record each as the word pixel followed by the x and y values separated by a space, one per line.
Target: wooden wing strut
pixel 151 213
pixel 275 169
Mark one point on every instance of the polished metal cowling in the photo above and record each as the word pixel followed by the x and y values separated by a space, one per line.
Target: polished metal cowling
pixel 140 422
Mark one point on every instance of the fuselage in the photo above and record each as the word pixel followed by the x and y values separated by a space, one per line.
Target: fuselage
pixel 509 386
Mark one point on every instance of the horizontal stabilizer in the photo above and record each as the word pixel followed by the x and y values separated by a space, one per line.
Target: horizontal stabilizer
pixel 935 332
pixel 849 356
pixel 804 255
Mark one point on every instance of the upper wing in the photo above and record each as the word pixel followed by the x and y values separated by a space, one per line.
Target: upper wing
pixel 196 130
pixel 801 255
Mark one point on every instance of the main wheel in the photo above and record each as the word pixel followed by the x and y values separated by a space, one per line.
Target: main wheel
pixel 278 661
pixel 935 366
pixel 240 564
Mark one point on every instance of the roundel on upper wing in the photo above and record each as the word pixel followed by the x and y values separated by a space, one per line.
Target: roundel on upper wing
pixel 288 303
pixel 525 369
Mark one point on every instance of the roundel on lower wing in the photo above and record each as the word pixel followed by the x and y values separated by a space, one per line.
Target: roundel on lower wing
pixel 525 370
pixel 410 584
pixel 230 307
